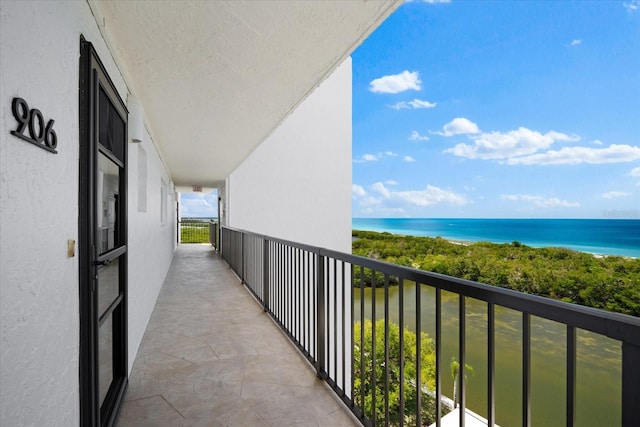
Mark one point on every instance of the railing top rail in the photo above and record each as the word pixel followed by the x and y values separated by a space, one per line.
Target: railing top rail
pixel 305 247
pixel 614 325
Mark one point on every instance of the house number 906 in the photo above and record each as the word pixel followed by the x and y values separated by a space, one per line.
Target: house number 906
pixel 40 134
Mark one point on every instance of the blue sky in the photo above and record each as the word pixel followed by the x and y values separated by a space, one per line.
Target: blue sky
pixel 201 205
pixel 499 109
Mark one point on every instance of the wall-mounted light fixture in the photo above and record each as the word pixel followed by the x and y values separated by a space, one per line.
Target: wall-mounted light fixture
pixel 136 119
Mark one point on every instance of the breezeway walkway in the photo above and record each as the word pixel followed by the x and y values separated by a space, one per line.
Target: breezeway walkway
pixel 211 357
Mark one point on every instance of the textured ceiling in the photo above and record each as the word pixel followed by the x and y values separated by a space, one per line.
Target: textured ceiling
pixel 217 77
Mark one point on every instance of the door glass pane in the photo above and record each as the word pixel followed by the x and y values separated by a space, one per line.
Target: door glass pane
pixel 107 210
pixel 108 285
pixel 105 356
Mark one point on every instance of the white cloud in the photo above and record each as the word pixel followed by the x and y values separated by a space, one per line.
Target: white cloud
pixel 457 126
pixel 416 103
pixel 575 155
pixel 203 205
pixel 380 188
pixel 374 157
pixel 415 136
pixel 614 194
pixel 367 158
pixel 527 147
pixel 540 201
pixel 380 199
pixel 575 42
pixel 497 145
pixel 357 191
pixel 632 5
pixel 409 159
pixel 429 196
pixel 364 199
pixel 396 83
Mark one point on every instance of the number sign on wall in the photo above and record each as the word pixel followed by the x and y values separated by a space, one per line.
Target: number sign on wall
pixel 41 134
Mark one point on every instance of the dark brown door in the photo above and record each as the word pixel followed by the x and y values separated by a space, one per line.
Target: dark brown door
pixel 102 243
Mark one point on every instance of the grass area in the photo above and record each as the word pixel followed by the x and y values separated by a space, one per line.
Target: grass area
pixel 194 230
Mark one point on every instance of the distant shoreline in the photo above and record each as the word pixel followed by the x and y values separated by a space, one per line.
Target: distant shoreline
pixel 599 237
pixel 471 242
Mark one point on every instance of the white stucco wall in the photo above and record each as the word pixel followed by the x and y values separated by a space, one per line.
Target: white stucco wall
pixel 39 311
pixel 297 184
pixel 151 243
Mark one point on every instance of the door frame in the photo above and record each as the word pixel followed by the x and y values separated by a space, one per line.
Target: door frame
pixel 93 71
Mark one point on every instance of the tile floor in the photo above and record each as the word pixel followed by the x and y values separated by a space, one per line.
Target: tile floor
pixel 211 357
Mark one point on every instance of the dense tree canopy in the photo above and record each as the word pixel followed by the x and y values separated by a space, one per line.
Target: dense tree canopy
pixel 364 383
pixel 609 282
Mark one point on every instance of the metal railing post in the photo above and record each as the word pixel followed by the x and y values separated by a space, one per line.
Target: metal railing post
pixel 265 274
pixel 630 384
pixel 321 319
pixel 242 257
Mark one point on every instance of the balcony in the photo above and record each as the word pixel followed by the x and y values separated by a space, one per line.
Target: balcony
pixel 212 356
pixel 214 353
pixel 324 300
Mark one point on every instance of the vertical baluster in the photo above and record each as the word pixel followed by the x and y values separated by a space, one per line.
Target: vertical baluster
pixel 296 296
pixel 314 305
pixel 343 304
pixel 320 326
pixel 335 320
pixel 305 314
pixel 362 331
pixel 462 354
pixel 299 305
pixel 571 375
pixel 265 274
pixel 373 348
pixel 526 369
pixel 307 323
pixel 418 353
pixel 491 344
pixel 281 282
pixel 630 383
pixel 438 356
pixel 401 343
pixel 242 275
pixel 352 332
pixel 289 289
pixel 386 349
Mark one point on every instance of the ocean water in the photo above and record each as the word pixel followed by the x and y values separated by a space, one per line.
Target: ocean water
pixel 597 236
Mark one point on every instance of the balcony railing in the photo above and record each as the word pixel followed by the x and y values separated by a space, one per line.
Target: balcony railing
pixel 198 230
pixel 323 298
